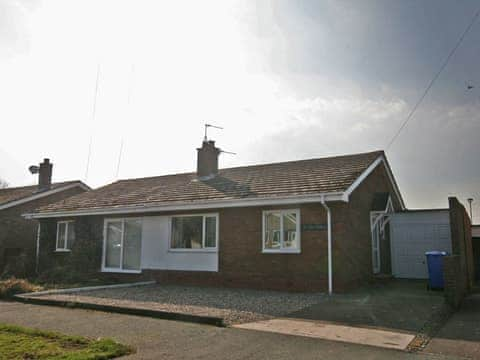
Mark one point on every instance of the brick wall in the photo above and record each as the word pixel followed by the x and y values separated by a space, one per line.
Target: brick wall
pixel 86 254
pixel 18 232
pixel 353 240
pixel 459 271
pixel 455 284
pixel 241 261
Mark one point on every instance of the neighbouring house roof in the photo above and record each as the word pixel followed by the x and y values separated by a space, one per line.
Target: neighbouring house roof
pixel 294 179
pixel 13 196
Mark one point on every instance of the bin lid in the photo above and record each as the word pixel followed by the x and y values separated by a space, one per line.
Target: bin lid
pixel 436 253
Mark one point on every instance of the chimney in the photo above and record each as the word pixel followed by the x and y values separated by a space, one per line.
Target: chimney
pixel 207 159
pixel 45 175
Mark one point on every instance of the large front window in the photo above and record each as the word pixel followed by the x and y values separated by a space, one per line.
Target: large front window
pixel 122 248
pixel 195 232
pixel 281 231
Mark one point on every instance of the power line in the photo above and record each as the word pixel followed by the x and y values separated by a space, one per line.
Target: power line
pixel 129 96
pixel 445 63
pixel 94 111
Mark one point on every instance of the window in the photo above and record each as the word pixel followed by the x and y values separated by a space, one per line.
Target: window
pixel 65 235
pixel 122 245
pixel 281 231
pixel 194 232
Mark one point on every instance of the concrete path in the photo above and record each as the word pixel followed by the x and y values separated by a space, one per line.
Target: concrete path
pixel 329 331
pixel 460 336
pixel 163 339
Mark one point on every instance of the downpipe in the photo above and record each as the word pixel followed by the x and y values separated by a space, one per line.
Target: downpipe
pixel 329 231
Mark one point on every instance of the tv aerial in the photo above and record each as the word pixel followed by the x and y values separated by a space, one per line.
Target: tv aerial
pixel 34 169
pixel 205 138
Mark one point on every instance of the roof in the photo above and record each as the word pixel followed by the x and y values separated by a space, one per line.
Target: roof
pixel 13 195
pixel 277 180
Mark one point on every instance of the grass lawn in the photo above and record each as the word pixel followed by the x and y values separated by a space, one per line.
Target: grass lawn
pixel 24 343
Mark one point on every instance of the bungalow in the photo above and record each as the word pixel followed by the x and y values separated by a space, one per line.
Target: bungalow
pixel 318 224
pixel 17 234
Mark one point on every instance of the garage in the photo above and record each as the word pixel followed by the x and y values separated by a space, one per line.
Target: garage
pixel 413 233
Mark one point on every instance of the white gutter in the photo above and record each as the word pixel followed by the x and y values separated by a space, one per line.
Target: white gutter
pixel 329 230
pixel 193 205
pixel 380 160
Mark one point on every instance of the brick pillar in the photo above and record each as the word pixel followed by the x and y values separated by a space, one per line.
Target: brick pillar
pixel 455 284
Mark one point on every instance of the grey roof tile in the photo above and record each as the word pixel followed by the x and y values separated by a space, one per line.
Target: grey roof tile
pixel 303 177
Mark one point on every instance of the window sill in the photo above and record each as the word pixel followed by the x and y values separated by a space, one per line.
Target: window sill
pixel 193 251
pixel 62 250
pixel 283 251
pixel 122 271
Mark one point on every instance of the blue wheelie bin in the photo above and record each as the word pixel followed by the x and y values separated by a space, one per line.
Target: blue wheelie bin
pixel 435 269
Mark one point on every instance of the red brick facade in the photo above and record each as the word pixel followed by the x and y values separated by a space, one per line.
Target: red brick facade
pixel 242 263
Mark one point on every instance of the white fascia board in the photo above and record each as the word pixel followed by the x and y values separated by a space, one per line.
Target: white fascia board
pixel 336 196
pixel 368 171
pixel 43 194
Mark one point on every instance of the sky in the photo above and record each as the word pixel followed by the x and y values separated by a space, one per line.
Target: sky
pixel 286 80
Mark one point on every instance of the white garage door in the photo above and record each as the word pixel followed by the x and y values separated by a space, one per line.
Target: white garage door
pixel 414 233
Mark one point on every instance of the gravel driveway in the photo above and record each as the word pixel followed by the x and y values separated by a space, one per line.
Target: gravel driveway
pixel 233 305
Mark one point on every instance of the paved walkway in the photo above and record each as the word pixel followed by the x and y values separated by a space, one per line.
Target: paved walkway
pixel 162 339
pixel 329 331
pixel 461 334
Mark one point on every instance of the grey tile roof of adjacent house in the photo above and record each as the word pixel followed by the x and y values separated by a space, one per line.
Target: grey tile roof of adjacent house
pixel 14 194
pixel 304 177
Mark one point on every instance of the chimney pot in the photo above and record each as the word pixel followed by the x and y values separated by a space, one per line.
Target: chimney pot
pixel 45 175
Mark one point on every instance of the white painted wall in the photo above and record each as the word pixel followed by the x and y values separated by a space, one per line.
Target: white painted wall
pixel 156 253
pixel 414 233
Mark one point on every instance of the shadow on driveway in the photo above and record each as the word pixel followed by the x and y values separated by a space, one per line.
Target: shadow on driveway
pixel 461 334
pixel 402 305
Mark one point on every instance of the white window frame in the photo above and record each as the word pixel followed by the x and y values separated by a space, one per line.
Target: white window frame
pixel 282 250
pixel 203 249
pixel 104 247
pixel 65 245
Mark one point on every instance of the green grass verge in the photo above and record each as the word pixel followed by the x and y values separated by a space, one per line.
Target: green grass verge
pixel 23 343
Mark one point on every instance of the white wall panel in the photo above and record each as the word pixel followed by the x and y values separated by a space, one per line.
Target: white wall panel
pixel 156 253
